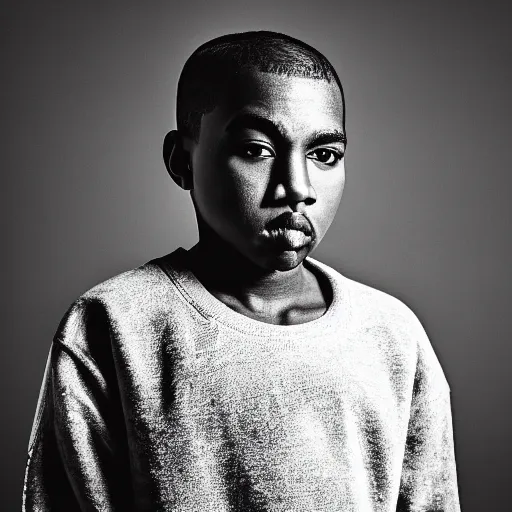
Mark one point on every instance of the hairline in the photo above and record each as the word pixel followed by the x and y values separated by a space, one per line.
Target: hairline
pixel 314 66
pixel 246 69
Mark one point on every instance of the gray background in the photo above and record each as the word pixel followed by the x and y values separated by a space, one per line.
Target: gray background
pixel 87 95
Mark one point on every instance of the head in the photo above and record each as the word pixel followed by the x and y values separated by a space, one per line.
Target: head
pixel 260 145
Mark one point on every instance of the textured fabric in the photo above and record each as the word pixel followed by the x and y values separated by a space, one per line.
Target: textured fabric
pixel 157 396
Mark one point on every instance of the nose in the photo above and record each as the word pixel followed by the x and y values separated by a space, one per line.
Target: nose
pixel 294 185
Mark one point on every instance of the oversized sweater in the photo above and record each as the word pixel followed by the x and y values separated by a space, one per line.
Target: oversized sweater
pixel 158 397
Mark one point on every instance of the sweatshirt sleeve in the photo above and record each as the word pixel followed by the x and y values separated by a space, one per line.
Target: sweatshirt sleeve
pixel 77 457
pixel 429 478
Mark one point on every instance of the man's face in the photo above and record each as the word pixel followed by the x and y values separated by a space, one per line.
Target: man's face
pixel 268 168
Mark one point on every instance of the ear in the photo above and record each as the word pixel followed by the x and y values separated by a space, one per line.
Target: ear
pixel 177 160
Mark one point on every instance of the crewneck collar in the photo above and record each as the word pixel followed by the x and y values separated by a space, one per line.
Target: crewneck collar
pixel 175 265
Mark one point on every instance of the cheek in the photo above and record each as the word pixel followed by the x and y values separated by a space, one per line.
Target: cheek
pixel 329 186
pixel 337 190
pixel 224 187
pixel 248 181
pixel 329 189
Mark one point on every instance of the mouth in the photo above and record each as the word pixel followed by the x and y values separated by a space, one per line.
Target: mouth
pixel 291 230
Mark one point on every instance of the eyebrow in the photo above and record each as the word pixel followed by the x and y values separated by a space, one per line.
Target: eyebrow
pixel 326 137
pixel 257 122
pixel 275 130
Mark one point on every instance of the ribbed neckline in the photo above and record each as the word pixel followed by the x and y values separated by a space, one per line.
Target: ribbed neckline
pixel 336 316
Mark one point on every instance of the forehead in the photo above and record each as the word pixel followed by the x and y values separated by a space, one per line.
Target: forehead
pixel 297 105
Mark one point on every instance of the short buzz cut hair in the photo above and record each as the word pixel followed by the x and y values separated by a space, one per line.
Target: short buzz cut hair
pixel 208 71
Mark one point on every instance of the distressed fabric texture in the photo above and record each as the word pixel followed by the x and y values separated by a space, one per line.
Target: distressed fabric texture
pixel 158 397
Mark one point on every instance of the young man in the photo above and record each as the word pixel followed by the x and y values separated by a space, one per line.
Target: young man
pixel 242 375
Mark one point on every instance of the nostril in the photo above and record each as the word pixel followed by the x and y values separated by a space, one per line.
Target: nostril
pixel 297 193
pixel 304 194
pixel 311 194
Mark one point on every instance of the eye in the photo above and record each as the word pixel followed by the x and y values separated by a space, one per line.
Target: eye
pixel 252 150
pixel 326 156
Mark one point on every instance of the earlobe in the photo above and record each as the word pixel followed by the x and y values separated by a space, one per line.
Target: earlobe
pixel 177 160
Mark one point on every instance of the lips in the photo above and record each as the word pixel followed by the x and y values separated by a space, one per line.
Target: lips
pixel 290 231
pixel 291 220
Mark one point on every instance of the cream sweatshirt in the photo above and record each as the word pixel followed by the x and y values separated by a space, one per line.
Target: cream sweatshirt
pixel 158 397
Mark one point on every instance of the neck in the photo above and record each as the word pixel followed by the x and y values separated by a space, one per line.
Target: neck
pixel 272 296
pixel 224 271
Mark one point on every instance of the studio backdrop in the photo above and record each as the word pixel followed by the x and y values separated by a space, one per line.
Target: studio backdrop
pixel 88 92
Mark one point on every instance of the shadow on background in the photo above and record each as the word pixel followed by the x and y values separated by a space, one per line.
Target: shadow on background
pixel 88 92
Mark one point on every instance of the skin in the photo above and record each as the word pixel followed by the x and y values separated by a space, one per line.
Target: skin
pixel 274 145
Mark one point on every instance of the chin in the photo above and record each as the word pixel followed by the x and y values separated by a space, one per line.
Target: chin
pixel 287 260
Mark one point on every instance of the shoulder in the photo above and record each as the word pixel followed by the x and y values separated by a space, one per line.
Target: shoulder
pixel 397 317
pixel 367 302
pixel 382 316
pixel 134 296
pixel 136 285
pixel 123 294
pixel 131 309
pixel 140 290
pixel 381 306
